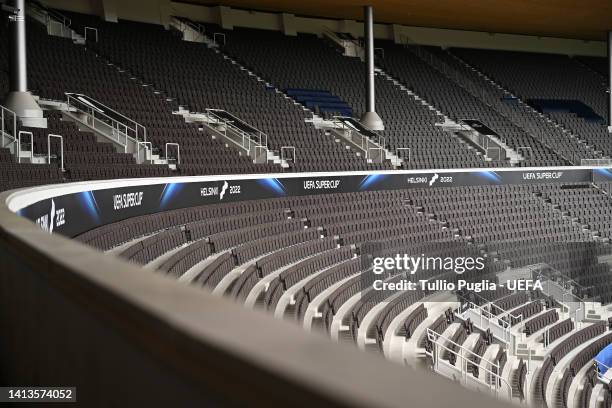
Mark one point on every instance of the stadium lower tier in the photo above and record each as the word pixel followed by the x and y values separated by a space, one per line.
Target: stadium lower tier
pixel 305 249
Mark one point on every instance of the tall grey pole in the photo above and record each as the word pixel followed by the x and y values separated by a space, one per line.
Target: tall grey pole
pixel 370 118
pixel 610 81
pixel 19 99
pixel 18 57
pixel 369 57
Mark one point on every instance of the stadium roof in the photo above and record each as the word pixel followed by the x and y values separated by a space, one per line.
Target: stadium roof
pixel 582 19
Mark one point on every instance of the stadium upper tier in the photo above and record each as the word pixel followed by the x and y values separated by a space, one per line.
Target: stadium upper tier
pixel 542 109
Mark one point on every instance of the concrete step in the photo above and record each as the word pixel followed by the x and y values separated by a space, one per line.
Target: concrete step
pixel 37 159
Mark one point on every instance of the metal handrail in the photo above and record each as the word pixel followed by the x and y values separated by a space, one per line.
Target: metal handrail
pixel 345 125
pixel 4 114
pixel 602 376
pixel 497 319
pixel 23 132
pixel 94 29
pixel 66 21
pixel 130 130
pixel 541 267
pixel 220 35
pixel 200 29
pixel 493 148
pixel 596 162
pixel 265 151
pixel 468 128
pixel 145 144
pixel 525 148
pixel 246 140
pixel 380 149
pixel 398 149
pixel 512 317
pixel 365 142
pixel 62 26
pixel 73 95
pixel 197 26
pixel 495 385
pixel 287 148
pixel 246 137
pixel 49 136
pixel 178 152
pixel 260 132
pixel 567 297
pixel 330 32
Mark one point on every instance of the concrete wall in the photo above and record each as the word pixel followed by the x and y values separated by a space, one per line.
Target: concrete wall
pixel 421 35
pixel 473 39
pixel 158 12
pixel 81 6
pixel 147 11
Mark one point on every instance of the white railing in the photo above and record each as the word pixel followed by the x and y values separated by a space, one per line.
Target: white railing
pixel 145 145
pixel 380 151
pixel 178 152
pixel 546 337
pixel 560 289
pixel 93 29
pixel 516 319
pixel 484 139
pixel 284 156
pixel 343 42
pixel 494 148
pixel 403 149
pixel 248 140
pixel 122 128
pixel 66 22
pixel 442 344
pixel 596 162
pixel 62 27
pixel 497 319
pixel 605 377
pixel 375 139
pixel 23 132
pixel 220 35
pixel 184 24
pixel 520 149
pixel 334 36
pixel 7 116
pixel 53 17
pixel 61 139
pixel 261 155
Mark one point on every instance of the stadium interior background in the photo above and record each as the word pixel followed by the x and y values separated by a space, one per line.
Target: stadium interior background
pixel 193 196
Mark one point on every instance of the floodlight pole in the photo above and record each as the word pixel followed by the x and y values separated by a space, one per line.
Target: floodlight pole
pixel 19 99
pixel 18 60
pixel 370 118
pixel 610 81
